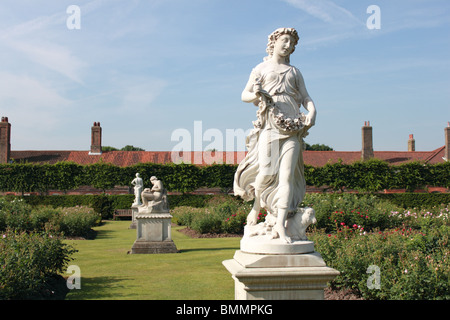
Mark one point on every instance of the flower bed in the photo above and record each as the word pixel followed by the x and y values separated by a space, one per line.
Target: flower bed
pixel 71 222
pixel 382 251
pixel 31 264
pixel 32 252
pixel 410 261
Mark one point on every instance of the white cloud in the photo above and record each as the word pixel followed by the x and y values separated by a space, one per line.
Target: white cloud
pixel 138 94
pixel 33 106
pixel 39 41
pixel 52 56
pixel 33 94
pixel 326 11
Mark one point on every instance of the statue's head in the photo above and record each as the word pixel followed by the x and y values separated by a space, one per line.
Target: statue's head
pixel 137 175
pixel 153 178
pixel 274 36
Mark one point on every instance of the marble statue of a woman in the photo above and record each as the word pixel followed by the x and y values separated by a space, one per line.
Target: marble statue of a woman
pixel 272 173
pixel 138 184
pixel 154 199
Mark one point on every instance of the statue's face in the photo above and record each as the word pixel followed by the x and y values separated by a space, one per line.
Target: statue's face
pixel 284 45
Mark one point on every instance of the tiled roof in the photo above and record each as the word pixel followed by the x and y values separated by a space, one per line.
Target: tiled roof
pixel 128 158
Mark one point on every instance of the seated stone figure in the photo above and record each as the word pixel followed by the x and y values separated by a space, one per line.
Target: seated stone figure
pixel 154 199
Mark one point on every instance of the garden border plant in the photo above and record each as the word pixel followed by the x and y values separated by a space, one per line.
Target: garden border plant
pixel 32 264
pixel 32 251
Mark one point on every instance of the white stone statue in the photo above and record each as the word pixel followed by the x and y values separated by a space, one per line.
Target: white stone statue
pixel 138 184
pixel 272 173
pixel 154 199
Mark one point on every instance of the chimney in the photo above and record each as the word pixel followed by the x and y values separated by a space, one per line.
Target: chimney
pixel 411 143
pixel 5 140
pixel 96 139
pixel 367 144
pixel 447 142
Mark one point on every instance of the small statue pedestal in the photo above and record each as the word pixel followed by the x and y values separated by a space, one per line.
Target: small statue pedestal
pixel 153 233
pixel 134 212
pixel 272 269
pixel 279 276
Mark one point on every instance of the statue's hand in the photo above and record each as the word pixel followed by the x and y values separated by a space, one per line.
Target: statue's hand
pixel 310 121
pixel 263 95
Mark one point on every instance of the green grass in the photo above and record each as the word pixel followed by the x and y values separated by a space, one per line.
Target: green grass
pixel 108 272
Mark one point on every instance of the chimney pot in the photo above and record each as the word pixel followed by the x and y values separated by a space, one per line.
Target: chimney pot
pixel 447 142
pixel 5 140
pixel 411 143
pixel 367 142
pixel 96 139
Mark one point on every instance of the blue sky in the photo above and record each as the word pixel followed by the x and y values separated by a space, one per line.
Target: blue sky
pixel 145 69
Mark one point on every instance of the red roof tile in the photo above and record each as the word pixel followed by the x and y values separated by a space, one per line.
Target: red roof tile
pixel 128 158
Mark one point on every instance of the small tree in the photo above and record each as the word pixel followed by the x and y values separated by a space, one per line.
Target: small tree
pixel 131 148
pixel 318 147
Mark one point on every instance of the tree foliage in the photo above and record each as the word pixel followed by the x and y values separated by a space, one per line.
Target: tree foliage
pixel 318 147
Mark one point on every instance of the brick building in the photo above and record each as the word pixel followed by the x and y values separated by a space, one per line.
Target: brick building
pixel 128 158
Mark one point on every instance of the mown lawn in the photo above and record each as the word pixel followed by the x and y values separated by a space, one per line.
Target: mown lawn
pixel 108 272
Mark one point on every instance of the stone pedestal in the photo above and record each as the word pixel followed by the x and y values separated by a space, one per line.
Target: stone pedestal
pixel 153 234
pixel 271 269
pixel 300 276
pixel 266 245
pixel 134 212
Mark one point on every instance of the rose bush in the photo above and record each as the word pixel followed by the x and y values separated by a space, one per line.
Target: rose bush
pixel 412 259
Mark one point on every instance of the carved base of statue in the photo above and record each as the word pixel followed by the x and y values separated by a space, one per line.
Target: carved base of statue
pixel 134 212
pixel 268 267
pixel 152 208
pixel 279 277
pixel 154 234
pixel 153 247
pixel 263 238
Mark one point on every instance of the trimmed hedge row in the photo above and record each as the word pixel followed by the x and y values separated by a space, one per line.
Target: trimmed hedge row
pixel 416 200
pixel 29 177
pixel 106 204
pixel 97 202
pixel 121 201
pixel 368 176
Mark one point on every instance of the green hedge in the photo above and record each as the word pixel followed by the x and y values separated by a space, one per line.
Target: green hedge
pixel 369 176
pixel 404 200
pixel 121 201
pixel 416 200
pixel 222 214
